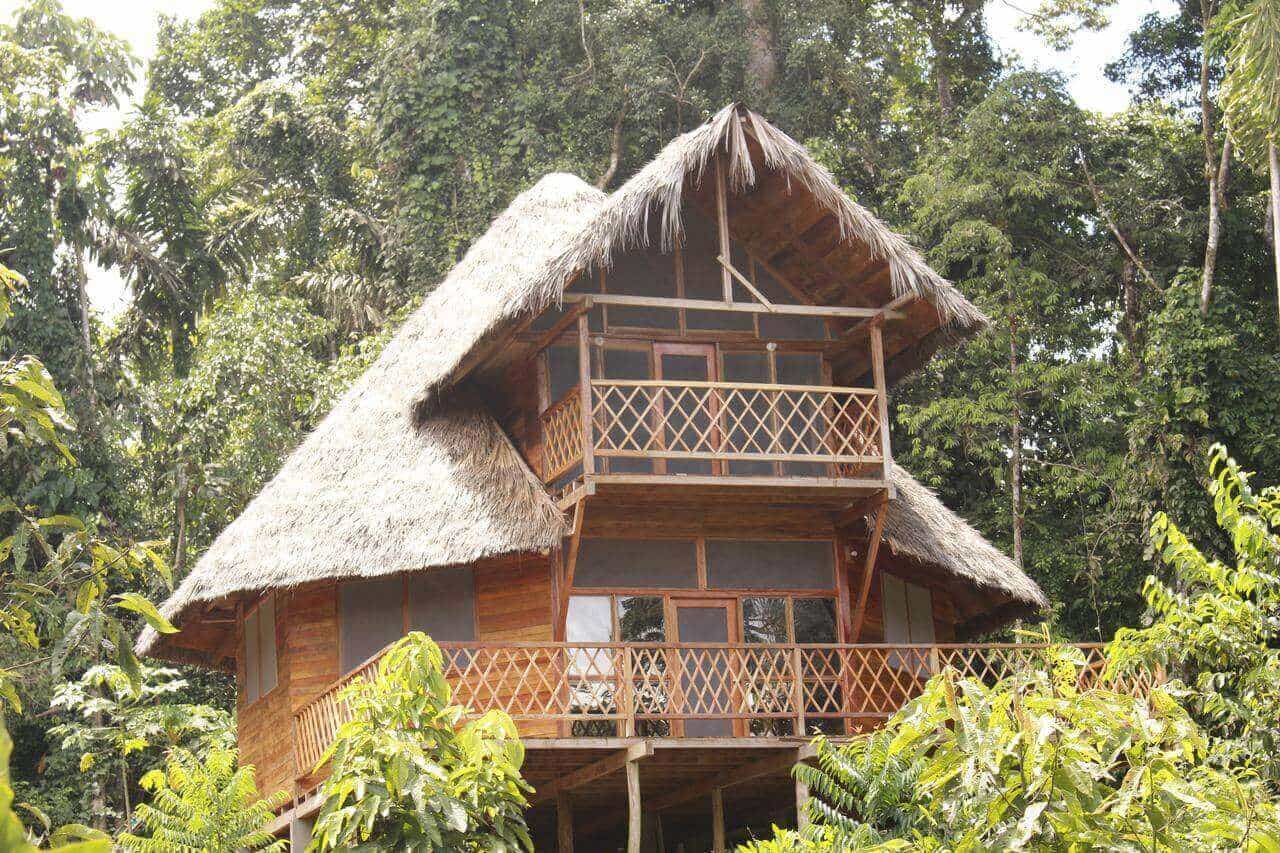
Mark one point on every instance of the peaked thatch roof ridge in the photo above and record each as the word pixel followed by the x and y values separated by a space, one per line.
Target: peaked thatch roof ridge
pixel 371 492
pixel 919 525
pixel 622 222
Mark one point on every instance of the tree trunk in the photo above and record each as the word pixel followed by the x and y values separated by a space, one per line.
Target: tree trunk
pixel 1132 298
pixel 1273 161
pixel 615 149
pixel 179 519
pixel 1211 168
pixel 946 100
pixel 1015 443
pixel 762 60
pixel 86 332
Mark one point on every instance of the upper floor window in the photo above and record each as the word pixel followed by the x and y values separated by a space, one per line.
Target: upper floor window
pixel 258 647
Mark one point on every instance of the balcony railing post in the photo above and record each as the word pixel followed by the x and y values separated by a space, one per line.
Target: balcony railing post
pixel 797 673
pixel 626 693
pixel 584 388
pixel 882 396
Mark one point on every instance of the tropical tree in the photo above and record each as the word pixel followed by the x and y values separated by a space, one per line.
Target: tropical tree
pixel 108 722
pixel 409 774
pixel 1032 763
pixel 1217 619
pixel 15 837
pixel 1251 96
pixel 204 803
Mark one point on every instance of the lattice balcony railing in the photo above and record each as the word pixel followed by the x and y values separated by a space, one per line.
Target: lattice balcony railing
pixel 720 422
pixel 675 690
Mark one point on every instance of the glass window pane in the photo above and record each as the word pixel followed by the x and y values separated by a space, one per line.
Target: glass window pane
pixel 640 619
pixel 589 620
pixel 734 564
pixel 894 610
pixel 649 563
pixel 267 644
pixel 815 620
pixel 764 620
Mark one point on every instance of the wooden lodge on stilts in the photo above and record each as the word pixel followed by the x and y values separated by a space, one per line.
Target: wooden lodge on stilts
pixel 630 465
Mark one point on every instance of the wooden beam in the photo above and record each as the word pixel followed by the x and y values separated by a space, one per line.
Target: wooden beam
pixel 633 807
pixel 570 566
pixel 873 549
pixel 722 224
pixel 564 823
pixel 764 300
pixel 736 776
pixel 890 311
pixel 847 312
pixel 590 772
pixel 802 806
pixel 550 336
pixel 717 820
pixel 882 394
pixel 584 388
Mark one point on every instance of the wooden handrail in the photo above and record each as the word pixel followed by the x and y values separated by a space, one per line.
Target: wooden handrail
pixel 741 386
pixel 631 688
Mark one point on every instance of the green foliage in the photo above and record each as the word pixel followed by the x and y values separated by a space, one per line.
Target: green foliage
pixel 1251 89
pixel 1032 763
pixel 204 803
pixel 14 837
pixel 408 774
pixel 1217 620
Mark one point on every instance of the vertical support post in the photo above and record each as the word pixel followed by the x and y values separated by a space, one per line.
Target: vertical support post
pixel 626 694
pixel 797 672
pixel 802 806
pixel 633 807
pixel 722 221
pixel 868 569
pixel 717 820
pixel 584 388
pixel 564 823
pixel 882 396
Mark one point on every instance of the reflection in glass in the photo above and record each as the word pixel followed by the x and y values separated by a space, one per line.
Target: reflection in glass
pixel 640 619
pixel 815 620
pixel 764 620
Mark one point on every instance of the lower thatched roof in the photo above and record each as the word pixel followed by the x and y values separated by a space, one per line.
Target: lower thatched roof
pixel 920 526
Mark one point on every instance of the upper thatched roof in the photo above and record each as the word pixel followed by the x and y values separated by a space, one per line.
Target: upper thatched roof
pixel 401 476
pixel 622 222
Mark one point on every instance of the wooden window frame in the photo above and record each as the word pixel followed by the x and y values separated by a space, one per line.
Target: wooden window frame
pixel 246 612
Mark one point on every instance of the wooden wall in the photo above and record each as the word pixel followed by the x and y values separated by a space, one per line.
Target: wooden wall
pixel 513 604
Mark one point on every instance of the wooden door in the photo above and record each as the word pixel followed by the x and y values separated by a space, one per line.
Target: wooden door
pixel 689 418
pixel 706 674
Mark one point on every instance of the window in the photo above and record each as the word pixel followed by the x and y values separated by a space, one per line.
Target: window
pixel 376 612
pixel 604 619
pixel 671 563
pixel 259 648
pixel 442 604
pixel 743 564
pixel 908 619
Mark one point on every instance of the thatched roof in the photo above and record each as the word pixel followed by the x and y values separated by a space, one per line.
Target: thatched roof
pixel 920 526
pixel 404 475
pixel 622 221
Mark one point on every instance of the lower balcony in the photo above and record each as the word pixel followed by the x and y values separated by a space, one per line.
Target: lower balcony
pixel 722 694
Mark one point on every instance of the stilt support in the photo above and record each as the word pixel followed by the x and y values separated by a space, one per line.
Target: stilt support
pixel 564 822
pixel 633 807
pixel 802 806
pixel 717 820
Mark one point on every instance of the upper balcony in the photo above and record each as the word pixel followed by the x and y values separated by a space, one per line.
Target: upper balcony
pixel 631 434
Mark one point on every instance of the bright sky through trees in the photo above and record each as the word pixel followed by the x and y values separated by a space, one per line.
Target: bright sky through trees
pixel 135 20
